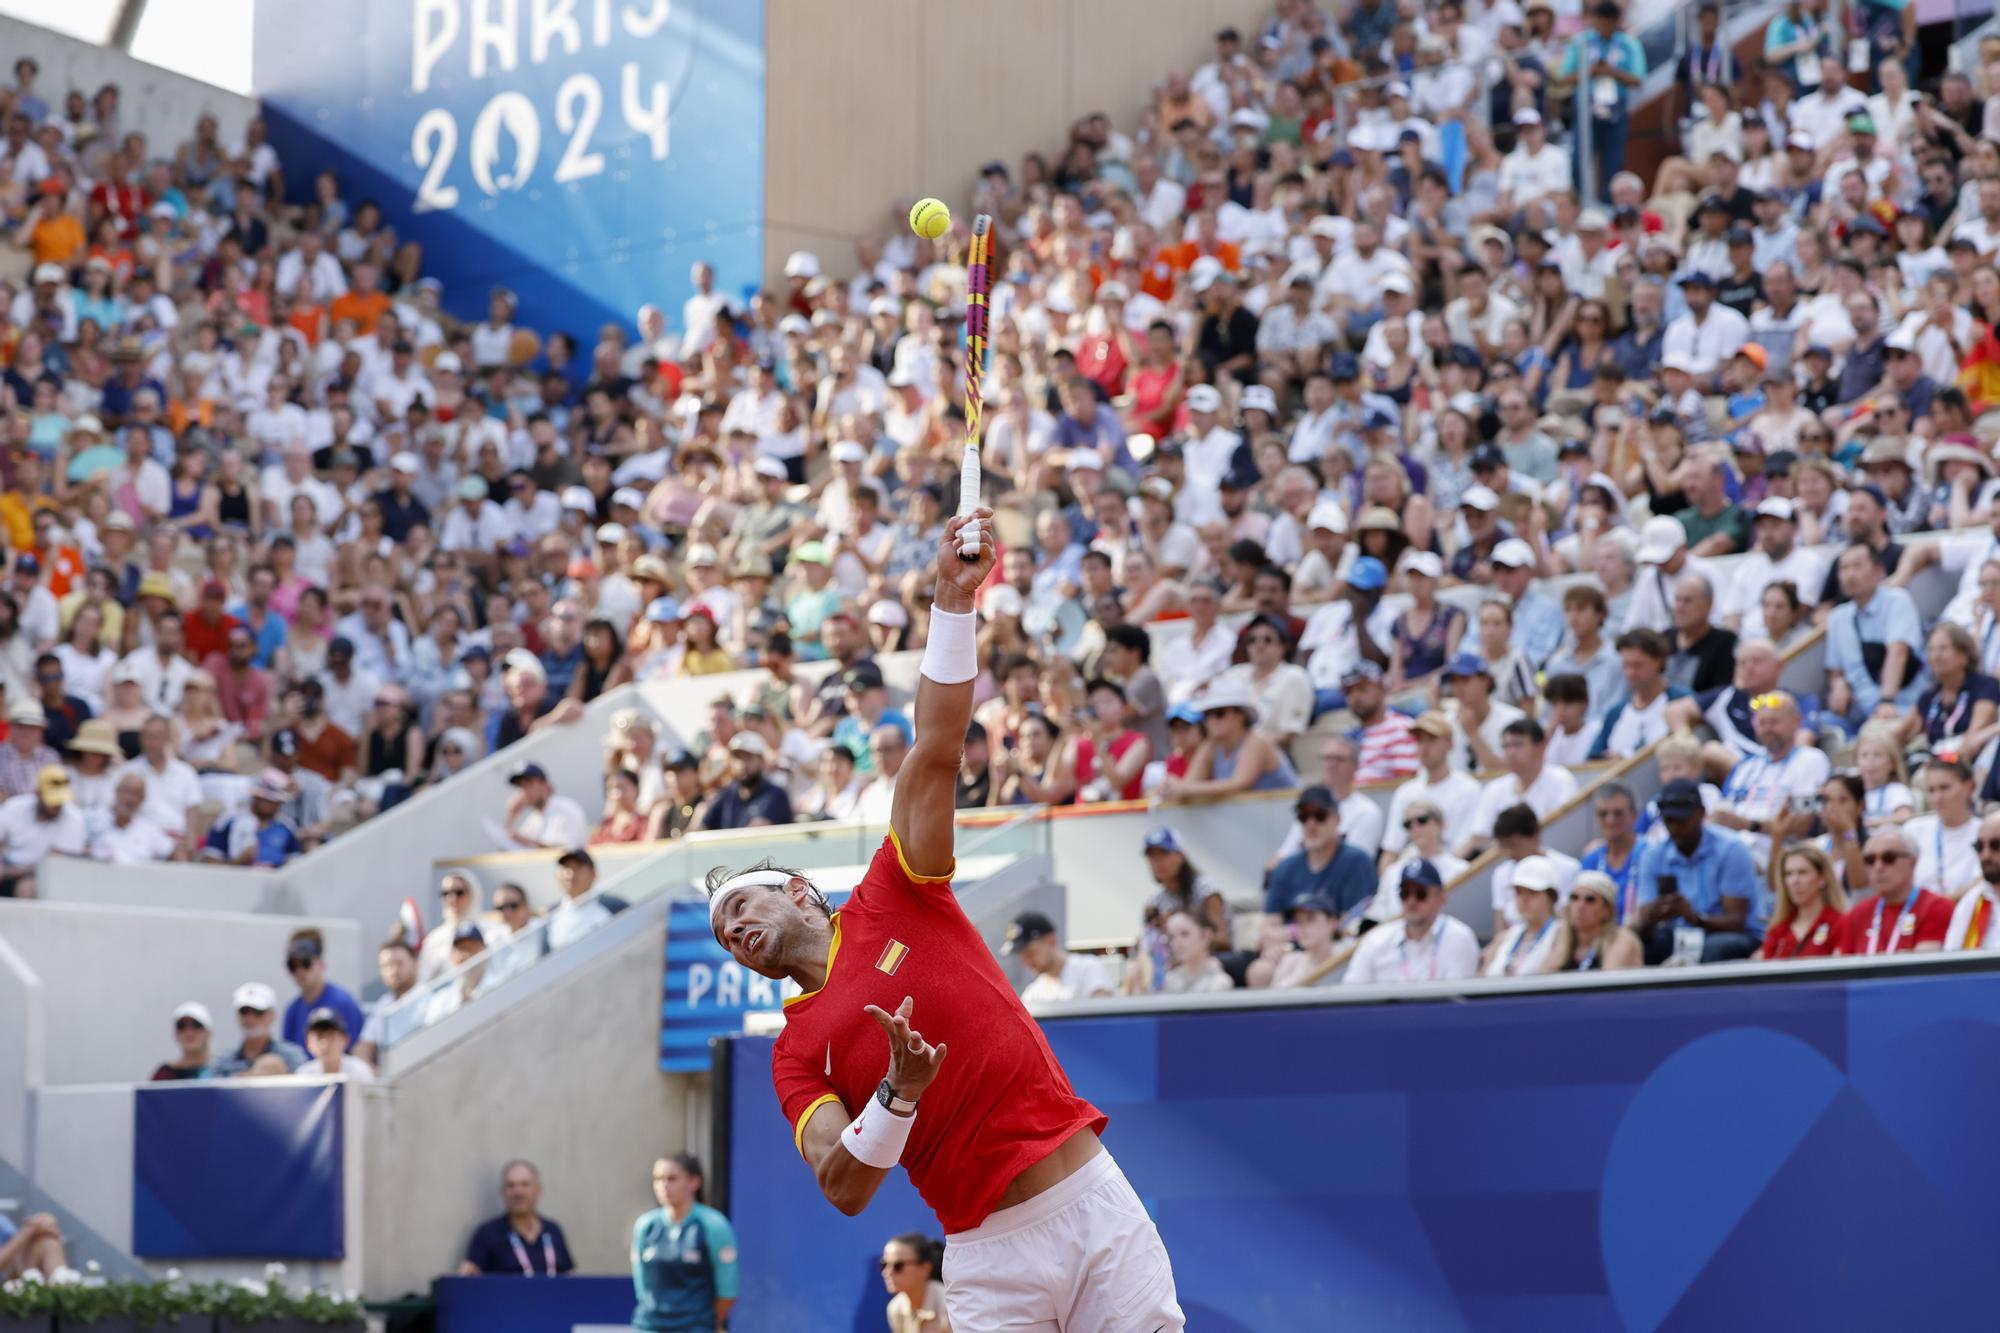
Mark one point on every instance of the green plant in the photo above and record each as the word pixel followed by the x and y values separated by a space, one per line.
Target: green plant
pixel 92 1300
pixel 247 1300
pixel 26 1295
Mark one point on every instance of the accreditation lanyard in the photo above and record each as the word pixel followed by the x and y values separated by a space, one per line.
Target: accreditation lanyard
pixel 1875 926
pixel 1522 939
pixel 1403 952
pixel 521 1253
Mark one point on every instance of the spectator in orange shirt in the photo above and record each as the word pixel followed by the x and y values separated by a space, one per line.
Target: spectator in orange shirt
pixel 1176 102
pixel 363 302
pixel 1204 242
pixel 53 229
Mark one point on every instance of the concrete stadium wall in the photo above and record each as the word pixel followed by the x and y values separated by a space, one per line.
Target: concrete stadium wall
pixel 23 1042
pixel 111 977
pixel 871 100
pixel 564 1079
pixel 157 101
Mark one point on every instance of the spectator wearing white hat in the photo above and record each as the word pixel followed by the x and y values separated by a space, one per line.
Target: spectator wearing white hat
pixel 1777 556
pixel 194 1030
pixel 1538 621
pixel 748 798
pixel 1540 941
pixel 34 824
pixel 25 753
pixel 1536 169
pixel 257 1016
pixel 1233 757
pixel 474 526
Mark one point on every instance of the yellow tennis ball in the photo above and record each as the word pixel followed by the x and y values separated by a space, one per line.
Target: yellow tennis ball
pixel 930 219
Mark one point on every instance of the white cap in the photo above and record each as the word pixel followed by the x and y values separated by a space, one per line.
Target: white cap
pixel 1514 553
pixel 579 497
pixel 700 555
pixel 1002 599
pixel 1778 507
pixel 1527 115
pixel 628 495
pixel 405 461
pixel 256 995
pixel 1659 539
pixel 1535 872
pixel 1087 459
pixel 1680 361
pixel 1308 273
pixel 1324 225
pixel 1479 497
pixel 1396 281
pixel 1425 563
pixel 610 534
pixel 1902 340
pixel 802 264
pixel 520 659
pixel 1593 219
pixel 196 1010
pixel 1260 397
pixel 448 363
pixel 795 323
pixel 885 304
pixel 1202 274
pixel 1114 291
pixel 1204 398
pixel 749 742
pixel 1227 692
pixel 1326 516
pixel 888 612
pixel 772 468
pixel 847 451
pixel 49 273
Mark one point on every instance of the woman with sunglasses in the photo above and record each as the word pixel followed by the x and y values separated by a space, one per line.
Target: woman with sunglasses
pixel 913 1275
pixel 1597 942
pixel 1423 827
pixel 684 1275
pixel 1807 921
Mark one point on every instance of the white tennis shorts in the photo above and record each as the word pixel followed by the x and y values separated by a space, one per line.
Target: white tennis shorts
pixel 1081 1257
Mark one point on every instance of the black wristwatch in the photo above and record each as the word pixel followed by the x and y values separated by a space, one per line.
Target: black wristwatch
pixel 1756 826
pixel 896 1105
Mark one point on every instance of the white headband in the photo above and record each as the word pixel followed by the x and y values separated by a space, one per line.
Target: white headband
pixel 755 879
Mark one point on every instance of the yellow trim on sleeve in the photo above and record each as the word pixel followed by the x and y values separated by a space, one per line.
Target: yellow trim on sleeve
pixel 832 952
pixel 911 875
pixel 799 1129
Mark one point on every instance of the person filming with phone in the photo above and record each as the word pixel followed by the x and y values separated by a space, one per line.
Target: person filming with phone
pixel 1701 878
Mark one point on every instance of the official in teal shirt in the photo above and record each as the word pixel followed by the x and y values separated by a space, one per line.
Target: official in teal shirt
pixel 683 1255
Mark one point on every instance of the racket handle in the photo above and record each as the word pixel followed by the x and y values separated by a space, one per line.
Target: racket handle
pixel 968 501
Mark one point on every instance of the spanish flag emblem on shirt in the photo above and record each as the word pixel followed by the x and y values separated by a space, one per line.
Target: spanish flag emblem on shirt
pixel 892 957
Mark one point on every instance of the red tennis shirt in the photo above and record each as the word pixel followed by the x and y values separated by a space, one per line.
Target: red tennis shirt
pixel 1000 1102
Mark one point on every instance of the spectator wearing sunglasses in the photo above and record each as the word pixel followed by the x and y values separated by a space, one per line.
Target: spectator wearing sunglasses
pixel 912 1271
pixel 193 1030
pixel 1597 942
pixel 1326 866
pixel 457 903
pixel 1425 944
pixel 1455 794
pixel 1973 923
pixel 1896 916
pixel 1423 829
pixel 256 1016
pixel 305 959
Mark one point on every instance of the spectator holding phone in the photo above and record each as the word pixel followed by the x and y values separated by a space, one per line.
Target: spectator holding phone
pixel 1698 877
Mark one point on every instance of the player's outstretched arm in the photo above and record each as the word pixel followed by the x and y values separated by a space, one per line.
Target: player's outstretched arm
pixel 851 1158
pixel 922 812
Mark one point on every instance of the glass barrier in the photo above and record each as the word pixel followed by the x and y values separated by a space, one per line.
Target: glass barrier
pixel 679 869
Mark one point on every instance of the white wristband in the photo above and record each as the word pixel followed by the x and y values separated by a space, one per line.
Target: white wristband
pixel 876 1136
pixel 951 656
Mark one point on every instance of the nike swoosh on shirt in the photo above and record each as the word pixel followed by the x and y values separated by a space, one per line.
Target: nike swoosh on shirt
pixel 829 1059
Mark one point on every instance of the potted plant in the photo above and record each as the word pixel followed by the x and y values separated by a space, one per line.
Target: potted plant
pixel 27 1304
pixel 249 1306
pixel 130 1307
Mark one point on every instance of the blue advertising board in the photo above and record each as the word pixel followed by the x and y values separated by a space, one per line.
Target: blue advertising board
pixel 228 1170
pixel 1788 1155
pixel 583 153
pixel 708 993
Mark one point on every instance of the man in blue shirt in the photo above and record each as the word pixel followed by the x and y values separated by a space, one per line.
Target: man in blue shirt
pixel 306 961
pixel 520 1242
pixel 749 797
pixel 1538 621
pixel 1601 67
pixel 1872 644
pixel 1328 866
pixel 1701 877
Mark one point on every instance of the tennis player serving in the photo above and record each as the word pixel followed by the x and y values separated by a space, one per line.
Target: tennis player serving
pixel 908 1045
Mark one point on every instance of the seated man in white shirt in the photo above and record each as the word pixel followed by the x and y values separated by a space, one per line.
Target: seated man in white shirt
pixel 1529 781
pixel 1059 976
pixel 537 817
pixel 326 1038
pixel 1426 944
pixel 578 913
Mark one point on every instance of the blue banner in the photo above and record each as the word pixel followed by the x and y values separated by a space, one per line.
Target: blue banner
pixel 238 1170
pixel 1785 1155
pixel 581 152
pixel 531 1304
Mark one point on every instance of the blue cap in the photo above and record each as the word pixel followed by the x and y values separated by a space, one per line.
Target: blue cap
pixel 663 611
pixel 1187 713
pixel 1873 492
pixel 1341 157
pixel 525 770
pixel 1467 664
pixel 1368 574
pixel 1344 366
pixel 1697 278
pixel 1312 902
pixel 1162 839
pixel 1422 872
pixel 1377 419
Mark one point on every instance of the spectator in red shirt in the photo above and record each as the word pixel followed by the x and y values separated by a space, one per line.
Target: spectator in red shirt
pixel 207 627
pixel 243 691
pixel 1184 736
pixel 1105 355
pixel 1893 918
pixel 1809 921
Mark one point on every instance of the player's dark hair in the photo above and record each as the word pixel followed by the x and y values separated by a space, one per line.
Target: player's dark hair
pixel 721 875
pixel 927 1250
pixel 691 1164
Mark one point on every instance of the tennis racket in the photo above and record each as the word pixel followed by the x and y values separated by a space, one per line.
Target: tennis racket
pixel 978 284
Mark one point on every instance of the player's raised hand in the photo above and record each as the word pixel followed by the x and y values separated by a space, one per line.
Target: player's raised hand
pixel 953 569
pixel 913 1062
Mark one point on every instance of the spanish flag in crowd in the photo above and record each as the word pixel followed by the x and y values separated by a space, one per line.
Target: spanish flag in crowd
pixel 1979 372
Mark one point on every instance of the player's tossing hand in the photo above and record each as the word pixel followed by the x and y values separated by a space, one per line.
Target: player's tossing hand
pixel 913 1062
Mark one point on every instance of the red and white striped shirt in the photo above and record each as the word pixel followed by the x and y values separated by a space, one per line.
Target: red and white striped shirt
pixel 1388 750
